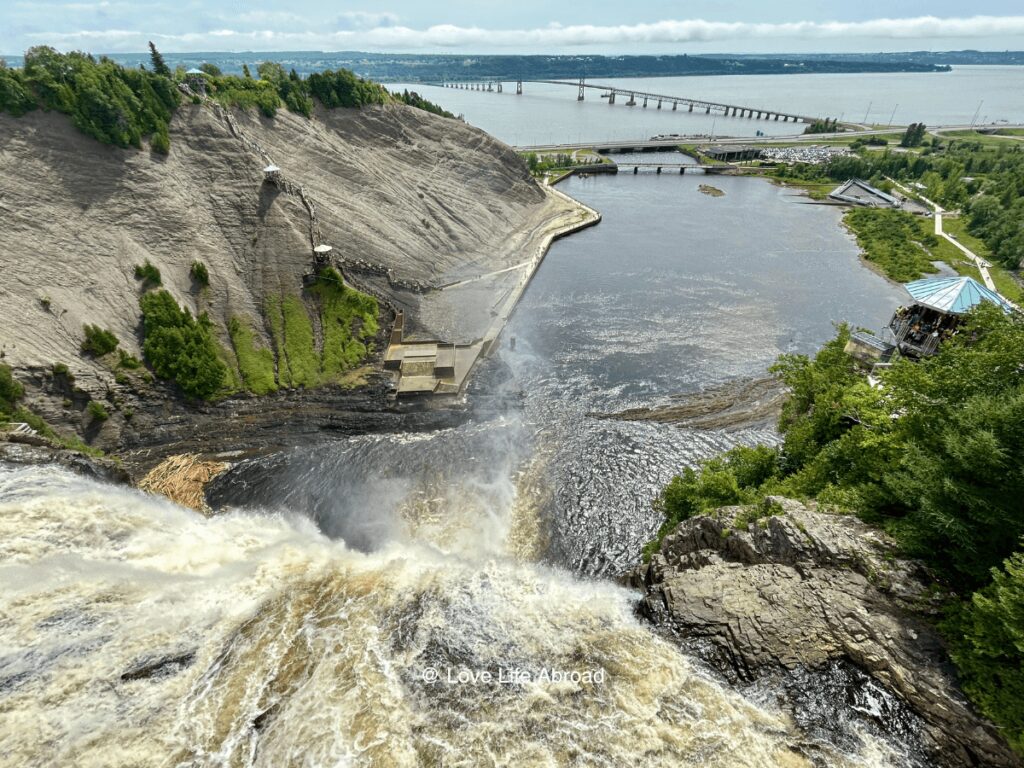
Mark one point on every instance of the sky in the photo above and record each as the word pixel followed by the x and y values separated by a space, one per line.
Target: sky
pixel 513 26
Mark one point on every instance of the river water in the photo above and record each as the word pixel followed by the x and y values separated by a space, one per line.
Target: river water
pixel 550 114
pixel 438 599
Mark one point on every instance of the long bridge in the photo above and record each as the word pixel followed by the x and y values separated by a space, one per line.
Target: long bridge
pixel 636 97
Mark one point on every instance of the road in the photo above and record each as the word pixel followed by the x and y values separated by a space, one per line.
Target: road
pixel 668 143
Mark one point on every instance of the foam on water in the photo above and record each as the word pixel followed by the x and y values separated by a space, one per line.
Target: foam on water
pixel 135 632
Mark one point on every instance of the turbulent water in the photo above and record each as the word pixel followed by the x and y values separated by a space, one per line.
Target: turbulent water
pixel 135 632
pixel 433 599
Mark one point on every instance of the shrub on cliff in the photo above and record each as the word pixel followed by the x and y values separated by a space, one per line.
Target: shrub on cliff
pixel 413 99
pixel 15 96
pixel 180 347
pixel 945 476
pixel 10 392
pixel 987 644
pixel 96 411
pixel 148 274
pixel 199 273
pixel 738 476
pixel 98 341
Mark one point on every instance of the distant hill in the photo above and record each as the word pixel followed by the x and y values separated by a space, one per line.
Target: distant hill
pixel 395 67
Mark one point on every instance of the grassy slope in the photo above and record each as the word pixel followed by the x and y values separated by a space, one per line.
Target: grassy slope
pixel 892 240
pixel 347 318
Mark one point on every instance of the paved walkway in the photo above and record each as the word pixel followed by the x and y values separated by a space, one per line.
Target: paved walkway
pixel 979 262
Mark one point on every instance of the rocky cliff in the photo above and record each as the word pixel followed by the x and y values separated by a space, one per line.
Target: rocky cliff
pixel 406 198
pixel 787 588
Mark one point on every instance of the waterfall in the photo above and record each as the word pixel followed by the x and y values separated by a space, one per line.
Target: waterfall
pixel 136 632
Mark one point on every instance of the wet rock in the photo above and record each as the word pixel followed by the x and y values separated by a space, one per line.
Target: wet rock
pixel 798 589
pixel 32 449
pixel 156 667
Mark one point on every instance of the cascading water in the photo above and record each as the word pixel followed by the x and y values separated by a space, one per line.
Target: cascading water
pixel 431 599
pixel 135 632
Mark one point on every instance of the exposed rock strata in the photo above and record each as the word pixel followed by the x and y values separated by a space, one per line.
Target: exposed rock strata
pixel 33 450
pixel 426 199
pixel 801 589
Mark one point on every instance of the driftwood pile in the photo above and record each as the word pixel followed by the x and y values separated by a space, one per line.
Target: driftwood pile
pixel 182 479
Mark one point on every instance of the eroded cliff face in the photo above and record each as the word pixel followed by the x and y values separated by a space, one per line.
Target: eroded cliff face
pixel 393 187
pixel 799 590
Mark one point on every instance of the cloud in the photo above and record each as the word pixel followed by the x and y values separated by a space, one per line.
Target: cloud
pixel 366 20
pixel 380 31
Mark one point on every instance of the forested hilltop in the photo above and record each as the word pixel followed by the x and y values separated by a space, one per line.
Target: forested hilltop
pixel 121 105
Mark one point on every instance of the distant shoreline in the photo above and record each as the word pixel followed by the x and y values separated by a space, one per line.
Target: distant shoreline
pixel 430 68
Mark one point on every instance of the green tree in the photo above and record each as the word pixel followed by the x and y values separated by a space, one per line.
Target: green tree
pixel 960 473
pixel 914 135
pixel 159 65
pixel 987 644
pixel 181 348
pixel 161 142
pixel 199 273
pixel 272 72
pixel 10 392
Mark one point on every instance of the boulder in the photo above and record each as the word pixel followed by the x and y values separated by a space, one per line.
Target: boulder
pixel 787 587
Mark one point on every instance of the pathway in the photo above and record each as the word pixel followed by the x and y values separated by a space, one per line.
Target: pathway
pixel 979 262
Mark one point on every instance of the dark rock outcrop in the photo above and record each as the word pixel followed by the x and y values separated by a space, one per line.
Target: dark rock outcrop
pixel 801 589
pixel 34 450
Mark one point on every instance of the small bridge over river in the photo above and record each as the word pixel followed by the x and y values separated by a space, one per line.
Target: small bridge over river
pixel 634 97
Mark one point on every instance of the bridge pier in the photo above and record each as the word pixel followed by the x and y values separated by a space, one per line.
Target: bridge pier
pixel 708 111
pixel 611 97
pixel 580 96
pixel 635 170
pixel 490 87
pixel 681 170
pixel 659 103
pixel 691 108
pixel 632 100
pixel 519 87
pixel 674 105
pixel 758 115
pixel 659 170
pixel 500 87
pixel 776 118
pixel 645 102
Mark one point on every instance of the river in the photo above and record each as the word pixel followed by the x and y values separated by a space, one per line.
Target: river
pixel 549 114
pixel 441 598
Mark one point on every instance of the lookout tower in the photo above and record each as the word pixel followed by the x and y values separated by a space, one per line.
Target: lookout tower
pixel 322 255
pixel 272 174
pixel 196 80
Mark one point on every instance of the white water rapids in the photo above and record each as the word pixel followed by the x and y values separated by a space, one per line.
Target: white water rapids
pixel 134 632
